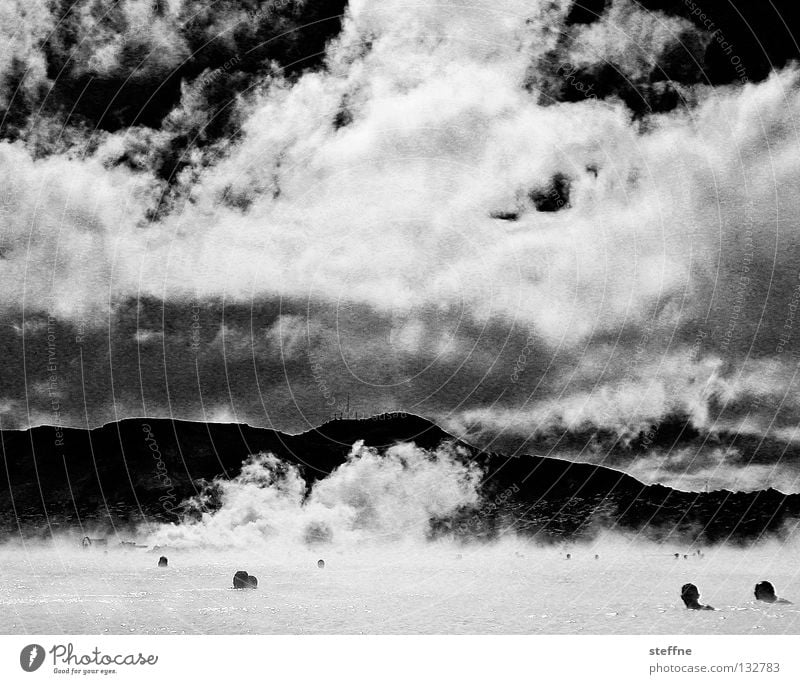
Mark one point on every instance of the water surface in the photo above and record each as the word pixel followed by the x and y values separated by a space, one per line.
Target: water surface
pixel 439 588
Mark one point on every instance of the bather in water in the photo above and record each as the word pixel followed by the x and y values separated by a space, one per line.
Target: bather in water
pixel 765 592
pixel 691 598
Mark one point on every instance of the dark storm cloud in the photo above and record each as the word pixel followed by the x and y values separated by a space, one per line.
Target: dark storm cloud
pixel 291 364
pixel 106 67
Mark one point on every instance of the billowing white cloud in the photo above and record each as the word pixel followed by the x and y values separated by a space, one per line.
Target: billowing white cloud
pixel 395 208
pixel 71 235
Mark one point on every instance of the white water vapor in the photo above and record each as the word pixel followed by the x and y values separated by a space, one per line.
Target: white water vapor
pixel 372 498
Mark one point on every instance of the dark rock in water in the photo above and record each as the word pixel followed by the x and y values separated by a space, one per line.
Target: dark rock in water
pixel 691 598
pixel 320 563
pixel 501 215
pixel 241 580
pixel 765 592
pixel 162 562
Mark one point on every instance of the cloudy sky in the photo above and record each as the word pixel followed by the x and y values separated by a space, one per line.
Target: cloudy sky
pixel 517 218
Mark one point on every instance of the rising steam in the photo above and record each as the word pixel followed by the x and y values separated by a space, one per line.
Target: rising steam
pixel 372 497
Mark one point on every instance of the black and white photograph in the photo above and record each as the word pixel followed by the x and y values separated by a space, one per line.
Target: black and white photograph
pixel 413 318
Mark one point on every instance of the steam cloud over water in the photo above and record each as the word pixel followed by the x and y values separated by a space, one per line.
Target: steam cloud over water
pixel 440 207
pixel 373 498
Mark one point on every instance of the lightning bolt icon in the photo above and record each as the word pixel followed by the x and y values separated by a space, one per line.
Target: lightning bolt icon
pixel 32 656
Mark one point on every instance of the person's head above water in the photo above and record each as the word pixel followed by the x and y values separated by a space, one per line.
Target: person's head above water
pixel 689 593
pixel 764 591
pixel 691 598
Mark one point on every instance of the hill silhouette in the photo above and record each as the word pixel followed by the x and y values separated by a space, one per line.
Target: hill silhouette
pixel 140 470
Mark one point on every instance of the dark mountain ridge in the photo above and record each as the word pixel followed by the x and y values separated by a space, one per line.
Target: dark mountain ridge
pixel 140 470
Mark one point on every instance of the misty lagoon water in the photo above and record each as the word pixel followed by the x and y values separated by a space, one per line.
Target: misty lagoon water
pixel 369 521
pixel 511 586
